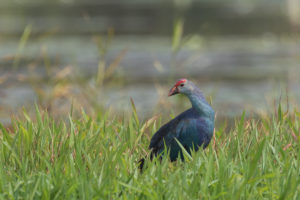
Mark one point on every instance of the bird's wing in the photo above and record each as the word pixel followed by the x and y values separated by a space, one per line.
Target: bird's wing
pixel 168 131
pixel 185 127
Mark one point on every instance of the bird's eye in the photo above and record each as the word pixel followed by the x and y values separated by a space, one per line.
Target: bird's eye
pixel 181 85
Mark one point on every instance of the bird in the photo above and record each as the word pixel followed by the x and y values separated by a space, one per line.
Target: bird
pixel 192 129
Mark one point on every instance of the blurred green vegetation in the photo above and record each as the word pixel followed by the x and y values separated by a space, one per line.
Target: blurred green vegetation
pixel 97 157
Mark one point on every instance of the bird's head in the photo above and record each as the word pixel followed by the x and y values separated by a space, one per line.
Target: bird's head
pixel 182 86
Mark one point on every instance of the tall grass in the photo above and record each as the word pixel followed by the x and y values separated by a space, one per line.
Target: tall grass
pixel 96 158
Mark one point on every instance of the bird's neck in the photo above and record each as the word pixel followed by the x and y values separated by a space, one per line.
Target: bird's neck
pixel 201 105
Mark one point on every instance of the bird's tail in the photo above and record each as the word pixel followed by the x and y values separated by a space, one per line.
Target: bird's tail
pixel 141 164
pixel 142 160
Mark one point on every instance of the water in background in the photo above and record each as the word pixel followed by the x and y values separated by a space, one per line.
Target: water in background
pixel 99 55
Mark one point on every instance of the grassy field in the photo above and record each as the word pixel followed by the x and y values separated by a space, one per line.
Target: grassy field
pixel 96 158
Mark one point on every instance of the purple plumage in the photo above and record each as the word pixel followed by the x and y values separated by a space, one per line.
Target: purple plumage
pixel 192 128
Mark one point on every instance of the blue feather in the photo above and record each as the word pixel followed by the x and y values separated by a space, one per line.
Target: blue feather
pixel 193 128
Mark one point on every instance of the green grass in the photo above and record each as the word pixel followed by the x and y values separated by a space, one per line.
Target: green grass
pixel 96 158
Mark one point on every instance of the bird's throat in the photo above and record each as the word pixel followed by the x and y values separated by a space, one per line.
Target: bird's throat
pixel 201 105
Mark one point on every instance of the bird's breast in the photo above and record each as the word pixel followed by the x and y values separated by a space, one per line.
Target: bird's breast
pixel 196 132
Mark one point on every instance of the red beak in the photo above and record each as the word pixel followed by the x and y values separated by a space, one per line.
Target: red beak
pixel 173 91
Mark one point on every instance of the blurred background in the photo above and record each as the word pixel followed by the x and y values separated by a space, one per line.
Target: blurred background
pixel 97 54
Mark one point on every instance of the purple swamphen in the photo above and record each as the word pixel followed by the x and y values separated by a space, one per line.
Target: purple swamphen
pixel 193 128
